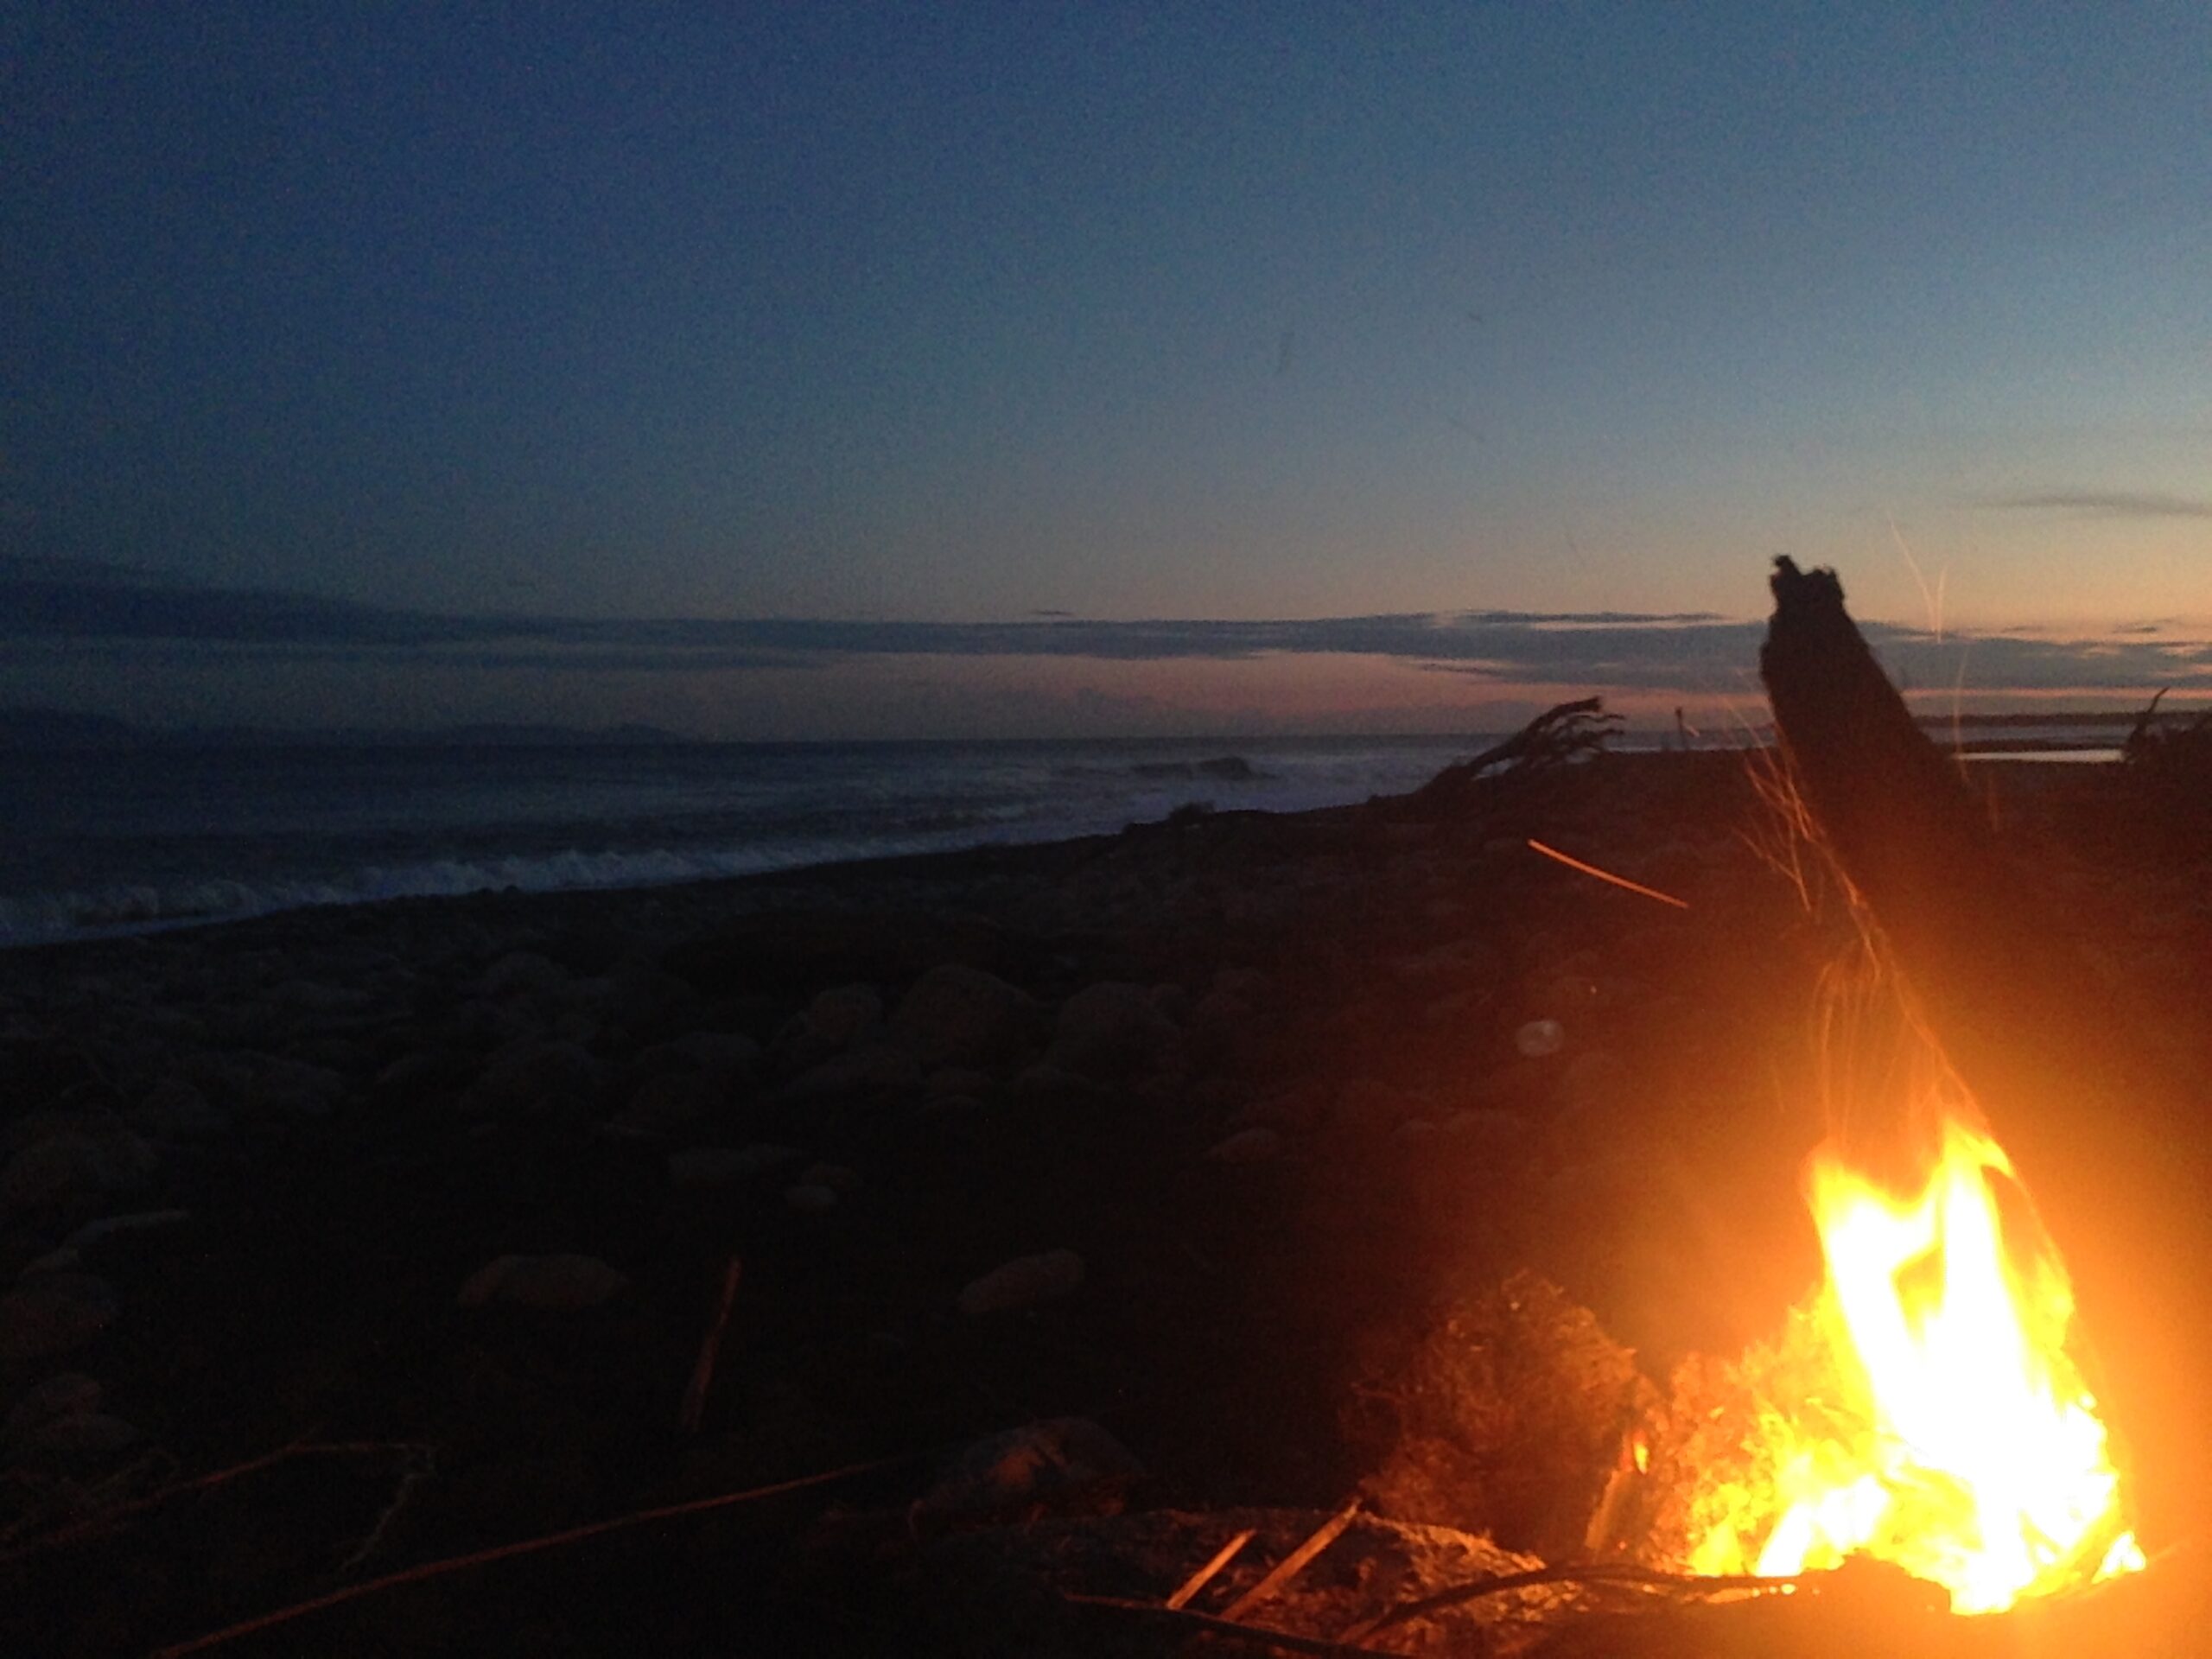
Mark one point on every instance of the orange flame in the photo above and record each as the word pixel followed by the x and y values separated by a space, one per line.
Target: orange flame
pixel 1961 1442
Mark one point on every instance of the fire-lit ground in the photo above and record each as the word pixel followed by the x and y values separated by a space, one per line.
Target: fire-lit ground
pixel 1346 1224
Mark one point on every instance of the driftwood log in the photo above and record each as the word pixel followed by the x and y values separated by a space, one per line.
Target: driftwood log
pixel 2101 1125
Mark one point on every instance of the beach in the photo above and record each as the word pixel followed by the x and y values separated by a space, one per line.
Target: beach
pixel 349 1239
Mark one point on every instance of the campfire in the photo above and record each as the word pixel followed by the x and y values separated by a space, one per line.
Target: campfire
pixel 1940 1420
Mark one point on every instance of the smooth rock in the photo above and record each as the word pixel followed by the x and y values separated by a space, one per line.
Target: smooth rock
pixel 877 1070
pixel 66 1439
pixel 836 1018
pixel 1254 1146
pixel 53 1313
pixel 730 1057
pixel 278 1085
pixel 108 1226
pixel 68 1394
pixel 534 1079
pixel 701 1169
pixel 1492 1138
pixel 173 1109
pixel 1539 1037
pixel 1044 1086
pixel 555 1284
pixel 949 1081
pixel 1023 1283
pixel 836 1177
pixel 671 1103
pixel 956 1015
pixel 525 973
pixel 1368 1107
pixel 73 1166
pixel 1111 1031
pixel 314 998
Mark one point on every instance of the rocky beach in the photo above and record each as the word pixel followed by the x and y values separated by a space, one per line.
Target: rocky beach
pixel 1170 1173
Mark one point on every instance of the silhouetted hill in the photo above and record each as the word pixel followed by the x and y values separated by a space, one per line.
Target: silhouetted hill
pixel 62 728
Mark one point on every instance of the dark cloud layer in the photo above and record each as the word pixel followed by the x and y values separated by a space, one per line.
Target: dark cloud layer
pixel 1682 651
pixel 2103 503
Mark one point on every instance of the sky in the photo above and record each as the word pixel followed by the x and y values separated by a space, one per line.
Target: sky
pixel 885 370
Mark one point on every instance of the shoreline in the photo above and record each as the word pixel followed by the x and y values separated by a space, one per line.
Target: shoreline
pixel 33 936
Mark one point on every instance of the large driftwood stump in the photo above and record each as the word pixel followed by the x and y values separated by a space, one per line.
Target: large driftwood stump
pixel 2100 1126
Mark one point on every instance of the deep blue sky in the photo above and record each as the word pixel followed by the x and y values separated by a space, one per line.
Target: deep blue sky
pixel 956 314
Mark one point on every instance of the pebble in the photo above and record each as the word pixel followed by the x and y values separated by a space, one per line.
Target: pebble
pixel 1539 1037
pixel 1023 1283
pixel 557 1284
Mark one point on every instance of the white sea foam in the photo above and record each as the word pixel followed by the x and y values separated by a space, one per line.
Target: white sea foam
pixel 163 839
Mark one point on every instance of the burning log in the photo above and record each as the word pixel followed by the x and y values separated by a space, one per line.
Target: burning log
pixel 2096 1119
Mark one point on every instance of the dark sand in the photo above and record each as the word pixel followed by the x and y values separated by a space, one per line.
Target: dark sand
pixel 357 1111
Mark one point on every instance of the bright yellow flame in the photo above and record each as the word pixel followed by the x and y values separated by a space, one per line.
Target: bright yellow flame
pixel 1961 1443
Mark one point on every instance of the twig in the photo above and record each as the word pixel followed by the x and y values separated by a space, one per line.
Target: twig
pixel 1183 1616
pixel 439 1569
pixel 1203 1576
pixel 1573 863
pixel 108 1519
pixel 1572 1573
pixel 1292 1564
pixel 420 1467
pixel 711 1346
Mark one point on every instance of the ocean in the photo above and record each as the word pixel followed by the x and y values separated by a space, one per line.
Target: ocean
pixel 104 840
pixel 96 841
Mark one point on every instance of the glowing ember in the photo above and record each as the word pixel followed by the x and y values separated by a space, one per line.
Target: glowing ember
pixel 1960 1441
